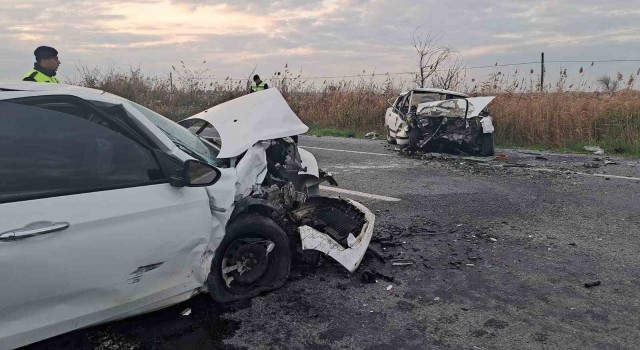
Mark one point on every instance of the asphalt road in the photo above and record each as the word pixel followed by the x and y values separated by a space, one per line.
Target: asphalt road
pixel 499 253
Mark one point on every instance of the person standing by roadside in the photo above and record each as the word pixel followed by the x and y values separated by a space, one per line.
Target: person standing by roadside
pixel 47 63
pixel 258 84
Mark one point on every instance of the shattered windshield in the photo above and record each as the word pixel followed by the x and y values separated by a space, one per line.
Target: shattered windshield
pixel 448 108
pixel 181 137
pixel 422 97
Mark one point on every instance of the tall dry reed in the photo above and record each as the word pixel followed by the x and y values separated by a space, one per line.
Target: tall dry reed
pixel 564 116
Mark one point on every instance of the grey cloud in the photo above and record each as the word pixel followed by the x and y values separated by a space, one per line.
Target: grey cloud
pixel 360 34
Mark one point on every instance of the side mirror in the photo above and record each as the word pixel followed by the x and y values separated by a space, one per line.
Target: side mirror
pixel 199 174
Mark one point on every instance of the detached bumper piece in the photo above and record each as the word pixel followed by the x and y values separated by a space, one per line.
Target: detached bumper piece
pixel 339 228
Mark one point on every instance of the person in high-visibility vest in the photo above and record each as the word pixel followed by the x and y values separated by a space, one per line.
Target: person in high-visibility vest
pixel 258 84
pixel 47 63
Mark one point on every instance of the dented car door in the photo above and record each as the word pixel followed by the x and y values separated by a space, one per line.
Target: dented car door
pixel 91 229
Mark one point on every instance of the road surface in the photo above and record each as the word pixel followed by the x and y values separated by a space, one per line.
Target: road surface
pixel 498 255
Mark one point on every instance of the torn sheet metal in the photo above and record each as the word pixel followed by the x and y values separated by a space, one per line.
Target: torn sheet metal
pixel 251 169
pixel 243 121
pixel 349 255
pixel 454 108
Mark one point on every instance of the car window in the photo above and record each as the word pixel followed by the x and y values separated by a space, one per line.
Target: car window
pixel 423 97
pixel 182 137
pixel 46 153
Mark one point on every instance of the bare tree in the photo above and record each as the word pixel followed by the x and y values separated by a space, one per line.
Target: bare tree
pixel 430 56
pixel 451 76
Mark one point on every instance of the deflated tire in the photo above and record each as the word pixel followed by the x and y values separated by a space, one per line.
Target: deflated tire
pixel 254 257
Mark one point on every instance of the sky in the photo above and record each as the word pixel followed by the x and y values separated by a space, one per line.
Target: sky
pixel 317 38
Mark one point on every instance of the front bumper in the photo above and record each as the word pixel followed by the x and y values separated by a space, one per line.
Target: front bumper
pixel 347 230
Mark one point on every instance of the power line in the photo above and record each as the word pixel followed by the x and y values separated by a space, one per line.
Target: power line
pixel 437 70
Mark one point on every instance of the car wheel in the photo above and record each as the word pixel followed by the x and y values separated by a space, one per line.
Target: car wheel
pixel 488 145
pixel 254 257
pixel 414 138
pixel 390 140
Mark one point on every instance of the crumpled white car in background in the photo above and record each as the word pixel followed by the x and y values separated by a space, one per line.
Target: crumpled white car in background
pixel 109 210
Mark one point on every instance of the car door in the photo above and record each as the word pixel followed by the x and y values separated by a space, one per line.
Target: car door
pixel 90 228
pixel 392 118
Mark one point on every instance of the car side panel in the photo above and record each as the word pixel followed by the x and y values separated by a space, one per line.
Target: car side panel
pixel 125 250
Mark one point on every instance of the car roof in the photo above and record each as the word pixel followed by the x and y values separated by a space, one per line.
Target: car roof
pixel 439 91
pixel 48 87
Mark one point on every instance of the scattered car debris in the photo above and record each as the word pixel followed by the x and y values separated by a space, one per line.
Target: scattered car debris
pixel 492 239
pixel 592 284
pixel 377 254
pixel 591 165
pixel 595 149
pixel 390 287
pixel 371 135
pixel 311 313
pixel 371 276
pixel 501 157
pixel 610 162
pixel 403 262
pixel 186 312
pixel 541 158
pixel 476 159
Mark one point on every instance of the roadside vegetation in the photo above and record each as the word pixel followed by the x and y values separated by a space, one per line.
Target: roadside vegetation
pixel 571 112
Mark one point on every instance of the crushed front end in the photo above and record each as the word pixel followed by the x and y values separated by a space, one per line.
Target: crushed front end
pixel 451 126
pixel 339 228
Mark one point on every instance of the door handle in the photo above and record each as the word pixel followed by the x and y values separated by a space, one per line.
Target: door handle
pixel 34 229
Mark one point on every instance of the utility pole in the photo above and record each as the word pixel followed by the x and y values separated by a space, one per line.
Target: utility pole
pixel 171 80
pixel 542 73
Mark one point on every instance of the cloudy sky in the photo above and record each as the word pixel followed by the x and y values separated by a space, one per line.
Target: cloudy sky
pixel 320 38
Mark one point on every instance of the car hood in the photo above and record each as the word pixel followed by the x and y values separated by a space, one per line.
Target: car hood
pixel 476 105
pixel 243 121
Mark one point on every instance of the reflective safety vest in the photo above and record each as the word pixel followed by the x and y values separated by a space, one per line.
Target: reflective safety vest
pixel 258 87
pixel 40 77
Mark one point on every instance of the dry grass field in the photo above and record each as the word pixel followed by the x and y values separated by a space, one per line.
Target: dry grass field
pixel 565 116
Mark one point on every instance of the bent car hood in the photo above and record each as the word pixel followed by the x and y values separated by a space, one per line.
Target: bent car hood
pixel 243 121
pixel 476 105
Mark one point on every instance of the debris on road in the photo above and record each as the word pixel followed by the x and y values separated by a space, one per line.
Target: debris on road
pixel 492 239
pixel 186 312
pixel 371 135
pixel 501 157
pixel 370 276
pixel 390 287
pixel 377 254
pixel 403 262
pixel 541 158
pixel 476 159
pixel 595 149
pixel 592 284
pixel 610 162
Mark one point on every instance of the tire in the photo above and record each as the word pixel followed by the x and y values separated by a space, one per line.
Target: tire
pixel 487 145
pixel 390 140
pixel 246 244
pixel 414 138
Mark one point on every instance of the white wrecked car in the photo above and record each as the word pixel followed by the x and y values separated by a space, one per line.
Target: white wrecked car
pixel 110 210
pixel 441 121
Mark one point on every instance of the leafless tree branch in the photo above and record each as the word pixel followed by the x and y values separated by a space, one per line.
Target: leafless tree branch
pixel 430 55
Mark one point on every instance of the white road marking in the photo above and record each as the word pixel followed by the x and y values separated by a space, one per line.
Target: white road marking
pixel 581 173
pixel 346 151
pixel 360 194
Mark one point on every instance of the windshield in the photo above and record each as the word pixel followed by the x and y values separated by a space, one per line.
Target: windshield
pixel 422 97
pixel 181 137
